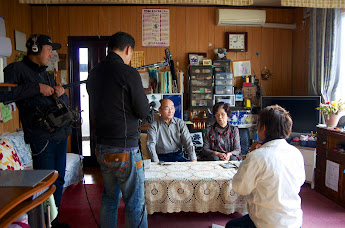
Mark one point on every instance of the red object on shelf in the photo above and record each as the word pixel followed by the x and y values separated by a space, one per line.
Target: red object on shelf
pixel 247 84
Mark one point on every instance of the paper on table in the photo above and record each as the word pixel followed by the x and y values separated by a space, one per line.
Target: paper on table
pixel 332 175
pixel 228 165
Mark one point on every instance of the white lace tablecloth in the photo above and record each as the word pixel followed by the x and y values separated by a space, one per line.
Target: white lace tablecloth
pixel 192 186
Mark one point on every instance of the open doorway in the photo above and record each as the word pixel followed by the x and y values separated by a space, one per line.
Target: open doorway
pixel 84 53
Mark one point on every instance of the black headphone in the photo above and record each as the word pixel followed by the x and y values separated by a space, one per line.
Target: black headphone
pixel 35 47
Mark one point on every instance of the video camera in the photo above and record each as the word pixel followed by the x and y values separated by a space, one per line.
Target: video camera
pixel 151 116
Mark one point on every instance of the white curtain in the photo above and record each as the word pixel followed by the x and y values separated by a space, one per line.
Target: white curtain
pixel 324 52
pixel 340 92
pixel 314 3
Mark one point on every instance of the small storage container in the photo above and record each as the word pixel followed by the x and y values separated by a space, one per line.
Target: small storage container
pixel 221 89
pixel 223 82
pixel 201 89
pixel 201 82
pixel 201 103
pixel 223 75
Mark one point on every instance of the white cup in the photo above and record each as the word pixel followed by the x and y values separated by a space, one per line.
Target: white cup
pixel 147 163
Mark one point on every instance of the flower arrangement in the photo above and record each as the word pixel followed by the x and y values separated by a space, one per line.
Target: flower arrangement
pixel 333 107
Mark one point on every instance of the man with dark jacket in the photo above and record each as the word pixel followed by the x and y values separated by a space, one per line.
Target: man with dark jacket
pixel 48 143
pixel 118 101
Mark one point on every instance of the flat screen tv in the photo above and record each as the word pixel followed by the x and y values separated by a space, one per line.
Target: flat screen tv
pixel 302 109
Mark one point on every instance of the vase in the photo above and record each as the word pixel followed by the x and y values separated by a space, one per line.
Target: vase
pixel 332 120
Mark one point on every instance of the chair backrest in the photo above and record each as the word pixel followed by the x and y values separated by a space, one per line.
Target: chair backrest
pixel 143 146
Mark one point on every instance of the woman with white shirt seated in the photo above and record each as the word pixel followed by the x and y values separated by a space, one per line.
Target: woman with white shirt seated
pixel 271 175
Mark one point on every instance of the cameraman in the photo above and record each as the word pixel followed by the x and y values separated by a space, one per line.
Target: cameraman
pixel 48 145
pixel 118 101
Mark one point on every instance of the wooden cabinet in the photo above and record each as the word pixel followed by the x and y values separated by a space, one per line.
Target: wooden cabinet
pixel 327 141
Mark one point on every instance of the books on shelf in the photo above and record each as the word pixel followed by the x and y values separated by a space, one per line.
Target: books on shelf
pixel 162 82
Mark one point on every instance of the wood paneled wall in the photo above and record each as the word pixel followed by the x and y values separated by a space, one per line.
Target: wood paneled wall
pixel 17 17
pixel 300 58
pixel 192 29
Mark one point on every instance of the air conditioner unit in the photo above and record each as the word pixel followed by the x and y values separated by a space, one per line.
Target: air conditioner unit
pixel 233 17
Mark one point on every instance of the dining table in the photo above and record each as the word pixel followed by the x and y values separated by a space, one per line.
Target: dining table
pixel 202 187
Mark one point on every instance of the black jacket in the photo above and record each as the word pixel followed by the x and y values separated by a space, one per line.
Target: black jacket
pixel 33 108
pixel 117 100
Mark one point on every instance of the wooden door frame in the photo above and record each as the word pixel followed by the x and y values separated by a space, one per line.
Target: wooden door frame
pixel 74 43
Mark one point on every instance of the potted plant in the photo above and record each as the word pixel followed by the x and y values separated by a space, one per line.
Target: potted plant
pixel 331 111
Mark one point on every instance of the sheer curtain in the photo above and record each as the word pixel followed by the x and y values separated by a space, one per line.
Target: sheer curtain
pixel 340 92
pixel 324 52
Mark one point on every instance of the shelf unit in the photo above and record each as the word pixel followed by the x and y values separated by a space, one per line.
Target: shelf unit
pixel 201 94
pixel 201 86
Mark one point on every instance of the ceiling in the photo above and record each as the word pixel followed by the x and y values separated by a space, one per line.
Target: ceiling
pixel 272 3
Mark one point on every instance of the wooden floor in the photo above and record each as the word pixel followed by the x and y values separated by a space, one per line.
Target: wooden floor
pixel 93 175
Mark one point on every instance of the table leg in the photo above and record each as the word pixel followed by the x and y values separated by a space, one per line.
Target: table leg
pixel 36 217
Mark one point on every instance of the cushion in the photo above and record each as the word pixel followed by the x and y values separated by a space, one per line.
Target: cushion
pixel 74 166
pixel 23 149
pixel 197 139
pixel 9 159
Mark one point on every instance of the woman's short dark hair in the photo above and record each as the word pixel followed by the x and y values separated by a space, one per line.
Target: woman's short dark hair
pixel 223 105
pixel 277 121
pixel 120 40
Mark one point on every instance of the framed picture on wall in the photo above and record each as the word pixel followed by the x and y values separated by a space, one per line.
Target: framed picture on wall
pixel 241 68
pixel 193 59
pixel 207 62
pixel 199 55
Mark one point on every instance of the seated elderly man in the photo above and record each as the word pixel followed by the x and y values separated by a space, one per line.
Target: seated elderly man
pixel 167 135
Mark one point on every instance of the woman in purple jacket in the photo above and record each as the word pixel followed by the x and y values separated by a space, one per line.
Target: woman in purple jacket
pixel 222 140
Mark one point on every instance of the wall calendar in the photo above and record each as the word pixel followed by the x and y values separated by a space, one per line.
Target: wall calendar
pixel 156 28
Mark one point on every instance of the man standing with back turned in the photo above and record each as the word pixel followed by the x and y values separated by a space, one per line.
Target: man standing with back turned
pixel 118 100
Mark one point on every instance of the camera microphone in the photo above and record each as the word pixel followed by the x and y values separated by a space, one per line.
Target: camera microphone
pixel 152 104
pixel 170 63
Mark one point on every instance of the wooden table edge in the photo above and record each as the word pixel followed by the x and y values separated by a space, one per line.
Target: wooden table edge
pixel 8 85
pixel 46 182
pixel 25 206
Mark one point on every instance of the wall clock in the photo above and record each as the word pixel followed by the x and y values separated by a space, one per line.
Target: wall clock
pixel 237 41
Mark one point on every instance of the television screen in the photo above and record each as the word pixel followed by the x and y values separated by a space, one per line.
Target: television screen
pixel 302 109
